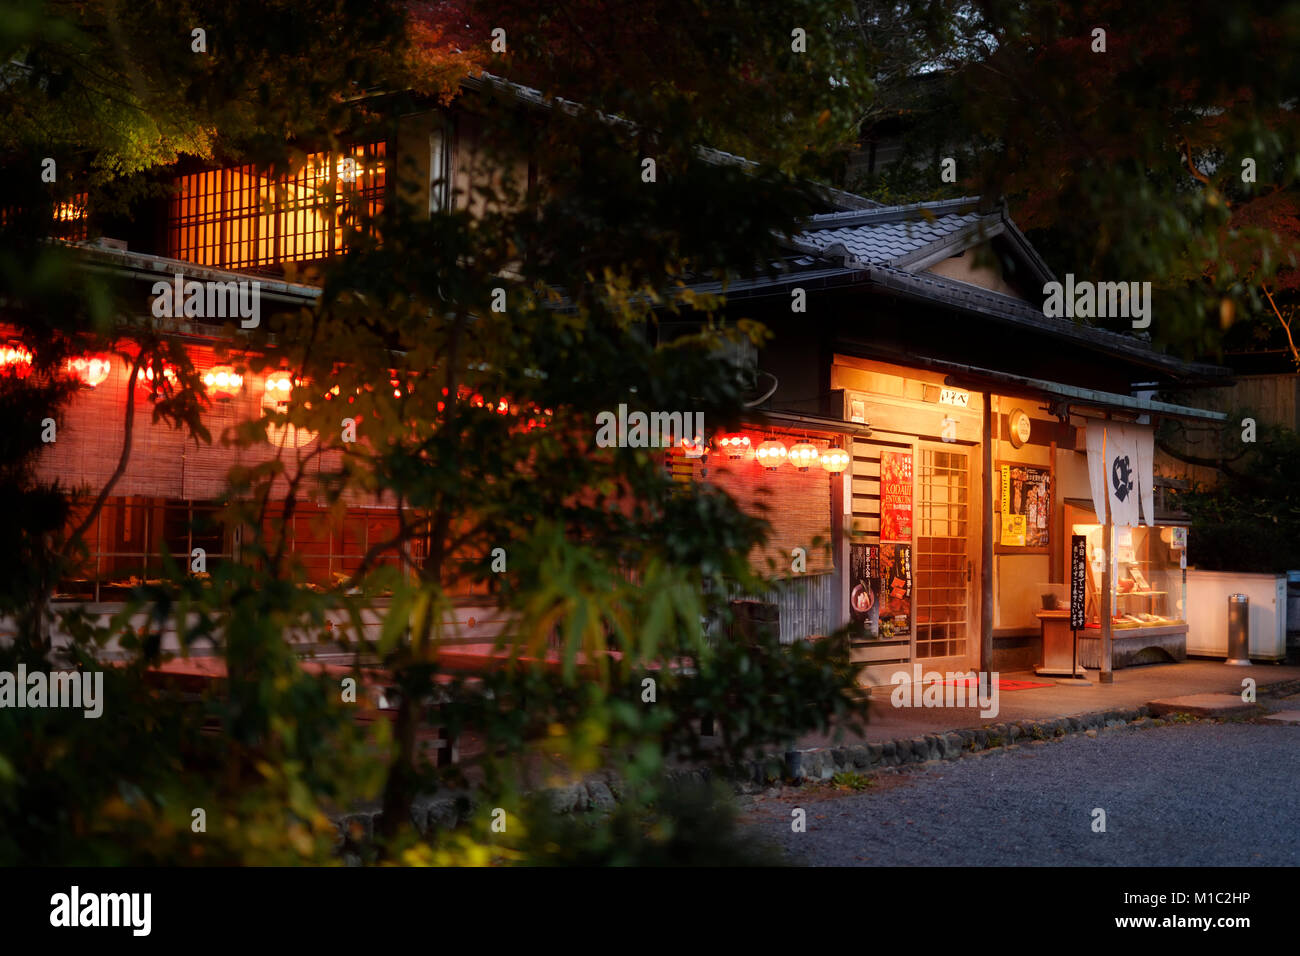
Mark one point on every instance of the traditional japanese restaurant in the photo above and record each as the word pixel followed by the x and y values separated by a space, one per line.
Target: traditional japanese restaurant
pixel 925 442
pixel 983 436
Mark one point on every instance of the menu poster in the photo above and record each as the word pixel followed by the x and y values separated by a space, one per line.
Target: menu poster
pixel 864 589
pixel 1078 579
pixel 1013 530
pixel 896 587
pixel 1026 506
pixel 896 496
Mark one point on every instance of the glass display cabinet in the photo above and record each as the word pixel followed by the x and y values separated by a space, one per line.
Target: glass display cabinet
pixel 1149 583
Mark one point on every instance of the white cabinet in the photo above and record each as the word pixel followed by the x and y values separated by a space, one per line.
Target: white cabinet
pixel 1207 613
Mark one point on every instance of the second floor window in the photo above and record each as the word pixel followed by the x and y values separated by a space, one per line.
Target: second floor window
pixel 69 218
pixel 239 218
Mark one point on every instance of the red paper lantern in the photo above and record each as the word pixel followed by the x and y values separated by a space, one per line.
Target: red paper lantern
pixel 166 375
pixel 835 460
pixel 92 370
pixel 804 455
pixel 279 385
pixel 15 359
pixel 693 447
pixel 772 454
pixel 275 398
pixel 734 445
pixel 222 382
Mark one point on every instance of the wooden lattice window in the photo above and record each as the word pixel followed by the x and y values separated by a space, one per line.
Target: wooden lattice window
pixel 127 541
pixel 68 218
pixel 239 218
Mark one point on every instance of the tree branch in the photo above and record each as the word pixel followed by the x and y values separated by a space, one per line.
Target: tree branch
pixel 1295 353
pixel 122 459
pixel 1191 167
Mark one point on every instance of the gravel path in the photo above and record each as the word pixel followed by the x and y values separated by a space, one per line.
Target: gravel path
pixel 1200 794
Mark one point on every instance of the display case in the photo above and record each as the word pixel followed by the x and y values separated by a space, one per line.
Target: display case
pixel 1149 580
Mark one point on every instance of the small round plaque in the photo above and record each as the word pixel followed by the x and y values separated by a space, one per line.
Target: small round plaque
pixel 1019 427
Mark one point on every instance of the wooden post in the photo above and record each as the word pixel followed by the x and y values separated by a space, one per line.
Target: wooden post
pixel 1054 571
pixel 841 534
pixel 1107 675
pixel 986 543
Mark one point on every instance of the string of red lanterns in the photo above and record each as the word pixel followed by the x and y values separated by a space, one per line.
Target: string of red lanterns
pixel 223 383
pixel 772 453
pixel 91 370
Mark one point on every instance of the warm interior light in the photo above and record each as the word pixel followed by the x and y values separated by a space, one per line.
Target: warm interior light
pixel 804 455
pixel 772 454
pixel 241 216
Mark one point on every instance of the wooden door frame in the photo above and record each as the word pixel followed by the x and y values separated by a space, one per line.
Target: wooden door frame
pixel 974 530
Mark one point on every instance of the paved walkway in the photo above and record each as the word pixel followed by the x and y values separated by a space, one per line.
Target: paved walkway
pixel 1132 687
pixel 1203 794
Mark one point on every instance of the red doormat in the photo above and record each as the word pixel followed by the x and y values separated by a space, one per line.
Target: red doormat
pixel 1002 684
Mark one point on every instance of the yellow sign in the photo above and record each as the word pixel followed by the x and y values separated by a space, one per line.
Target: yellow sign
pixel 1013 530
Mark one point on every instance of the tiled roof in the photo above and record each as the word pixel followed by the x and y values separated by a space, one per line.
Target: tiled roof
pixel 889 235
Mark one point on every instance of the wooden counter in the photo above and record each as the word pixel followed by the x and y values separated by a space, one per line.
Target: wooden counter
pixel 1058 645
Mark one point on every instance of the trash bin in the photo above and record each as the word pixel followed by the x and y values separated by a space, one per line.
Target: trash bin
pixel 1292 605
pixel 1239 630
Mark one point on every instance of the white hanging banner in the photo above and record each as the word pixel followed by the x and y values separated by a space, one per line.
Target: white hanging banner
pixel 1144 438
pixel 1124 474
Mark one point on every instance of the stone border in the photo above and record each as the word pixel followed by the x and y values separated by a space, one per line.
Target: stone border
pixel 823 763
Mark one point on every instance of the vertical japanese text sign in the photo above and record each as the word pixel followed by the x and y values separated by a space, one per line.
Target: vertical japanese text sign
pixel 1078 578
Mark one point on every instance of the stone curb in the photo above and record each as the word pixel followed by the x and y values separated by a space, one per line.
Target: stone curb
pixel 823 763
pixel 1282 688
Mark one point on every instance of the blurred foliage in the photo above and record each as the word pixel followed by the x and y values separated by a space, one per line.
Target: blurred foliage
pixel 725 72
pixel 1123 165
pixel 689 824
pixel 1249 521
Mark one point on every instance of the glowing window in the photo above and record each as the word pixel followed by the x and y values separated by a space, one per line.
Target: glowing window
pixel 239 218
pixel 69 219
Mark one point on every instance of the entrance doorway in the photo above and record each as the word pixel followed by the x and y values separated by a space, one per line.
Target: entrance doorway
pixel 944 567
